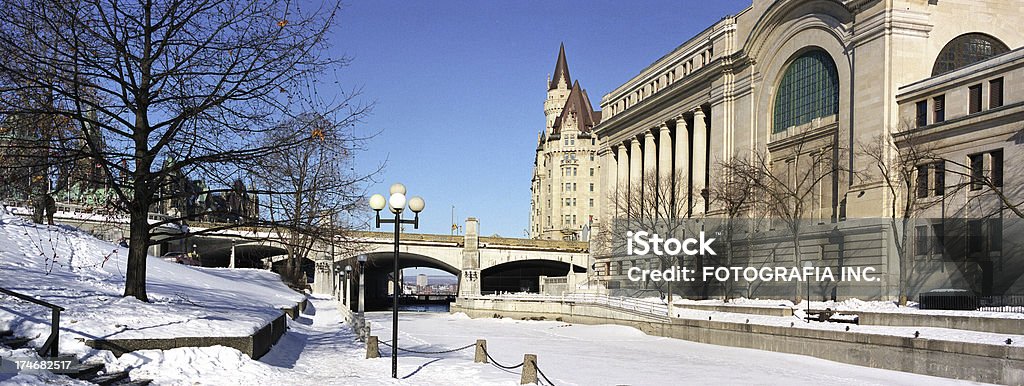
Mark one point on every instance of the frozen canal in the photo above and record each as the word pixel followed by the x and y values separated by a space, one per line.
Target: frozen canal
pixel 320 350
pixel 612 355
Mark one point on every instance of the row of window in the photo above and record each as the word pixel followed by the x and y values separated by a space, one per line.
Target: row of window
pixel 570 140
pixel 983 236
pixel 571 172
pixel 572 202
pixel 986 168
pixel 938 103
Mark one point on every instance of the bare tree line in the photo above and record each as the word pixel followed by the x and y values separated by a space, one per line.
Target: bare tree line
pixel 148 93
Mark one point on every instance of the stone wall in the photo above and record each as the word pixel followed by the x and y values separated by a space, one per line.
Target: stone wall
pixel 957 360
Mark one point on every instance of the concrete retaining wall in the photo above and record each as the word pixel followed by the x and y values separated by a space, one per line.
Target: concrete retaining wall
pixel 753 310
pixel 296 310
pixel 958 360
pixel 996 325
pixel 255 345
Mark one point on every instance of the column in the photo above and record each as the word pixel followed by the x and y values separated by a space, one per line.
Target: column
pixel 649 159
pixel 682 166
pixel 606 186
pixel 700 159
pixel 664 163
pixel 650 175
pixel 622 181
pixel 635 177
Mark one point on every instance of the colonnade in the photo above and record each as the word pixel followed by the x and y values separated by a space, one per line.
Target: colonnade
pixel 673 152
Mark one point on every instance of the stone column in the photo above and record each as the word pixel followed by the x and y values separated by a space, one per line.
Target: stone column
pixel 650 156
pixel 323 278
pixel 635 176
pixel 700 159
pixel 622 180
pixel 606 186
pixel 682 166
pixel 650 175
pixel 469 283
pixel 664 163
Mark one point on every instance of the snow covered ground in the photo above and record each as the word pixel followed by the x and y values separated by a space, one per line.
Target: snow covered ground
pixel 69 268
pixel 320 350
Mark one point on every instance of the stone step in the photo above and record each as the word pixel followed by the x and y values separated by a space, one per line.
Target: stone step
pixel 137 382
pixel 14 343
pixel 109 379
pixel 85 371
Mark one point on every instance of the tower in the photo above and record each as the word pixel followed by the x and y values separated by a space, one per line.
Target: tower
pixel 565 183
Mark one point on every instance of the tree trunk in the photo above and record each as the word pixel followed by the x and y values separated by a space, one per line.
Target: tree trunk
pixel 138 242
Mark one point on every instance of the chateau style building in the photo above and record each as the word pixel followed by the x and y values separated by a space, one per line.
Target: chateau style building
pixel 565 187
pixel 807 86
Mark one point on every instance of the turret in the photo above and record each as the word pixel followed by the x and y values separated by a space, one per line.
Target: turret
pixel 559 85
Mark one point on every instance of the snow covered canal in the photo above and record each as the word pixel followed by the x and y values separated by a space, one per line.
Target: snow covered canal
pixel 602 355
pixel 320 350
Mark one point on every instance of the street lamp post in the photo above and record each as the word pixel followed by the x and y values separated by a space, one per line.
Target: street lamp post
pixel 232 262
pixel 348 274
pixel 337 286
pixel 396 203
pixel 362 284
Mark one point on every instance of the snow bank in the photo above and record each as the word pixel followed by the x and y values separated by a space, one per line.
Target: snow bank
pixel 69 268
pixel 193 365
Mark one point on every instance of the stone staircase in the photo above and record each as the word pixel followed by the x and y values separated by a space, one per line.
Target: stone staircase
pixel 92 372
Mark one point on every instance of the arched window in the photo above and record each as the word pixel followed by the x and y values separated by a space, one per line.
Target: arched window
pixel 809 89
pixel 965 50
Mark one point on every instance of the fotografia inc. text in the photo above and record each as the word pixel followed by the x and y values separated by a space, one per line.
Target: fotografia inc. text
pixel 751 274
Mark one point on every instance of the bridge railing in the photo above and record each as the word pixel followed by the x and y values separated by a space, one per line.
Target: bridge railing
pixel 647 306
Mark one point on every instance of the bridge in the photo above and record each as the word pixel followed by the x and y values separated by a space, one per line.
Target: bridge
pixel 482 264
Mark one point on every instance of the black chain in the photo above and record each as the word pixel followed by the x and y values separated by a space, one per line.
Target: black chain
pixel 430 352
pixel 486 353
pixel 542 374
pixel 499 365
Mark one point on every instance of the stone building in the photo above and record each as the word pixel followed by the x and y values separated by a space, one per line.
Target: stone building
pixel 565 188
pixel 805 84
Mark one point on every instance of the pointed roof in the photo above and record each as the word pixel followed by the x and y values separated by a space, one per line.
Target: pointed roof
pixel 578 103
pixel 561 69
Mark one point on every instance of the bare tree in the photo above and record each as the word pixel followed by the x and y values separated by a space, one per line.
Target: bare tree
pixel 196 82
pixel 656 205
pixel 791 184
pixel 318 187
pixel 736 193
pixel 904 172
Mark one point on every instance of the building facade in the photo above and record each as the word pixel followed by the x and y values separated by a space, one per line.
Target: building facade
pixel 802 86
pixel 968 188
pixel 565 187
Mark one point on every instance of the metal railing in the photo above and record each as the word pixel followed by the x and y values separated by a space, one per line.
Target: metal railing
pixel 968 301
pixel 658 308
pixel 52 342
pixel 1001 303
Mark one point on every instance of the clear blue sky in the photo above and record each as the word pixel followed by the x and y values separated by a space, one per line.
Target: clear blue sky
pixel 459 87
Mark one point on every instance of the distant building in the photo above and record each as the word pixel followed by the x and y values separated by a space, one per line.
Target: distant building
pixel 422 281
pixel 566 181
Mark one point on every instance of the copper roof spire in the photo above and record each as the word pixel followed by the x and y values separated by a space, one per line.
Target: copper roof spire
pixel 561 70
